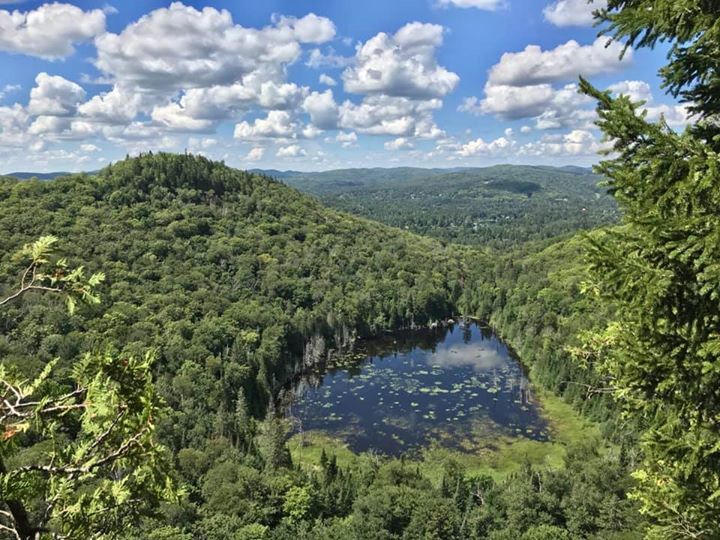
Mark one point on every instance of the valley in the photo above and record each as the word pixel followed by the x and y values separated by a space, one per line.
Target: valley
pixel 499 207
pixel 240 285
pixel 422 270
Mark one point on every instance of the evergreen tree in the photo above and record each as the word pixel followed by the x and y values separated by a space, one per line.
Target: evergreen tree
pixel 662 265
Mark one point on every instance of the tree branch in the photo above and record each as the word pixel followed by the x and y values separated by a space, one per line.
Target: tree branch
pixel 71 471
pixel 22 527
pixel 9 529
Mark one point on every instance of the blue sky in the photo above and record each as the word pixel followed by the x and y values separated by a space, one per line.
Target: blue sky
pixel 310 85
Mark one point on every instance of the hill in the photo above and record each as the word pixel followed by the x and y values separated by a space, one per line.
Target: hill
pixel 496 206
pixel 340 180
pixel 198 255
pixel 37 175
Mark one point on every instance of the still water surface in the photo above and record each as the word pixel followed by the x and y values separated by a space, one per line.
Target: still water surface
pixel 459 387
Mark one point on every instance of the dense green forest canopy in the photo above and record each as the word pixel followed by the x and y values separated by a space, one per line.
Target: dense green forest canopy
pixel 204 261
pixel 228 276
pixel 499 206
pixel 496 206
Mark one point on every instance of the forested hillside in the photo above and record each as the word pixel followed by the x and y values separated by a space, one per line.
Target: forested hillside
pixel 204 262
pixel 496 206
pixel 150 313
pixel 535 296
pixel 235 281
pixel 333 181
pixel 39 176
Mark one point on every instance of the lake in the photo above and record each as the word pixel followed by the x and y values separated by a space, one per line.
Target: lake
pixel 458 386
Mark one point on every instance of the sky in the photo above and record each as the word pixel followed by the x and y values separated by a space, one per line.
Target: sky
pixel 311 84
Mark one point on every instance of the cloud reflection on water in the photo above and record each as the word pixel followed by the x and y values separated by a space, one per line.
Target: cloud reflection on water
pixel 467 354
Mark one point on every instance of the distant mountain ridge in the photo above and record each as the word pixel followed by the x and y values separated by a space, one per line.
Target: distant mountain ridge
pixel 329 175
pixel 46 175
pixel 337 181
pixel 501 205
pixel 39 176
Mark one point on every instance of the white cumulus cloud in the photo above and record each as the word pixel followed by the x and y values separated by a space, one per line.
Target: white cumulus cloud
pixel 13 126
pixel 327 80
pixel 572 12
pixel 635 90
pixel 567 61
pixel 51 31
pixel 481 147
pixel 346 139
pixel 510 101
pixel 118 106
pixel 277 124
pixel 9 89
pixel 204 48
pixel 523 84
pixel 577 142
pixel 292 150
pixel 322 109
pixel 488 5
pixel 172 116
pixel 385 115
pixel 401 65
pixel 401 143
pixel 309 29
pixel 54 96
pixel 331 58
pixel 255 154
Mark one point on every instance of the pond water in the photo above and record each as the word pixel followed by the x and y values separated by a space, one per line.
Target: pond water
pixel 458 386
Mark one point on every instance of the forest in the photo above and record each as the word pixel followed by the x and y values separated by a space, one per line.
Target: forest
pixel 150 312
pixel 224 276
pixel 498 207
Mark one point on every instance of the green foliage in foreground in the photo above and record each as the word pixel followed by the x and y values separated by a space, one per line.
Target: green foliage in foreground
pixel 693 31
pixel 78 455
pixel 56 279
pixel 663 353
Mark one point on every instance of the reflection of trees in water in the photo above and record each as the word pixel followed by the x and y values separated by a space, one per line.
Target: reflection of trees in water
pixel 295 412
pixel 486 332
pixel 425 339
pixel 296 389
pixel 466 332
pixel 474 346
pixel 518 386
pixel 401 342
